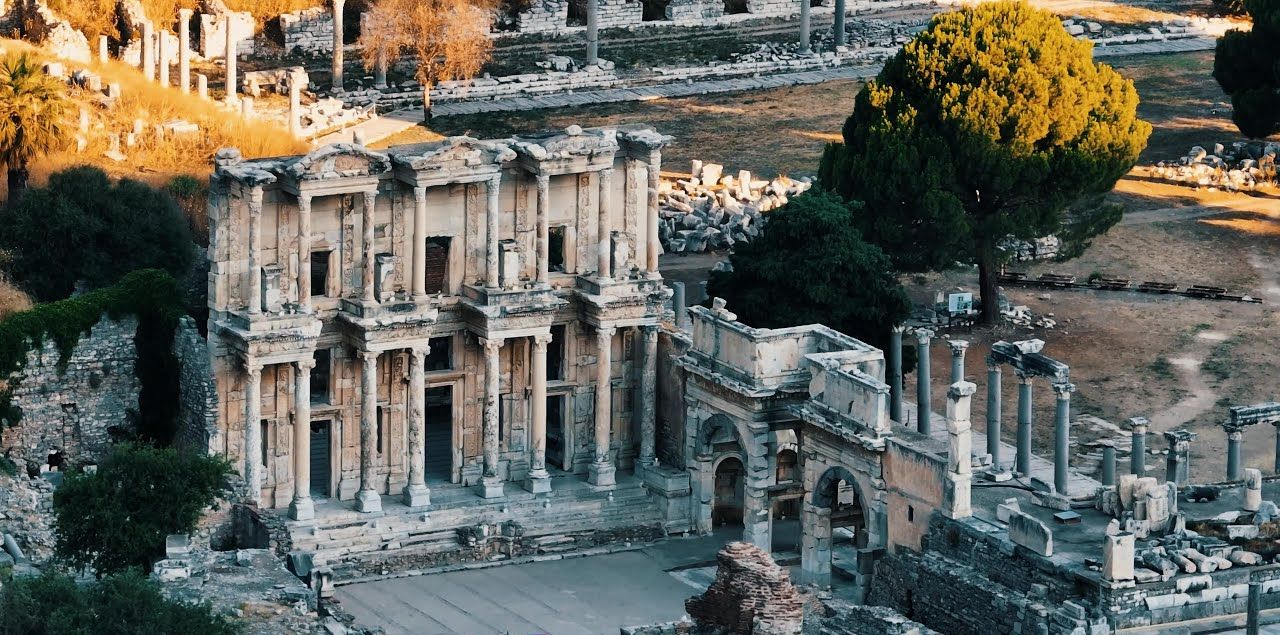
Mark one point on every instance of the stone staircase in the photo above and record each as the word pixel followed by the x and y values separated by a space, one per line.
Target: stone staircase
pixel 460 527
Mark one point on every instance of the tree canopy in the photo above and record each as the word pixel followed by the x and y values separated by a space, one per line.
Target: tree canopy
pixel 1247 67
pixel 810 265
pixel 83 228
pixel 117 518
pixel 34 112
pixel 990 123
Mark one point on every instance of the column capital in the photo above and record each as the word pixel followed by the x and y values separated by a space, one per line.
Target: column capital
pixel 1138 425
pixel 370 195
pixel 255 200
pixel 420 351
pixel 543 180
pixel 1064 389
pixel 369 357
pixel 306 364
pixel 958 347
pixel 606 331
pixel 923 336
pixel 649 330
pixel 899 328
pixel 1234 434
pixel 606 172
pixel 541 340
pixel 304 202
pixel 1023 376
pixel 254 368
pixel 492 346
pixel 494 182
pixel 655 158
pixel 993 365
pixel 420 193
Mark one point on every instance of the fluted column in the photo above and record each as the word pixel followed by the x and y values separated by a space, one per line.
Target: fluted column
pixel 604 224
pixel 367 220
pixel 253 432
pixel 301 507
pixel 491 484
pixel 255 247
pixel 337 44
pixel 601 471
pixel 924 415
pixel 544 227
pixel 539 480
pixel 184 50
pixel 419 243
pixel 647 396
pixel 415 492
pixel 1062 436
pixel 1023 461
pixel 491 234
pixel 653 247
pixel 367 499
pixel 304 252
pixel 993 414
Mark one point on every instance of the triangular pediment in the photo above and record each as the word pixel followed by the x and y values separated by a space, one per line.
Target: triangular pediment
pixel 339 160
pixel 453 153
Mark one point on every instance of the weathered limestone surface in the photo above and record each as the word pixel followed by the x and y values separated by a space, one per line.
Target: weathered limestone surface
pixel 198 398
pixel 308 31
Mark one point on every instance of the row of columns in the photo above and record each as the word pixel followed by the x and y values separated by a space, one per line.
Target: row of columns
pixel 837 27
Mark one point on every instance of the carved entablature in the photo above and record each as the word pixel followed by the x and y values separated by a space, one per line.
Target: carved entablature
pixel 452 160
pixel 640 141
pixel 333 169
pixel 573 151
pixel 249 174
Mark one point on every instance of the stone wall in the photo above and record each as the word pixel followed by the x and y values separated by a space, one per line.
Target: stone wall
pixel 75 407
pixel 308 31
pixel 32 20
pixel 198 396
pixel 751 595
pixel 26 513
pixel 669 427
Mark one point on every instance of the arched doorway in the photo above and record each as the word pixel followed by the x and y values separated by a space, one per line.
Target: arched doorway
pixel 729 493
pixel 833 530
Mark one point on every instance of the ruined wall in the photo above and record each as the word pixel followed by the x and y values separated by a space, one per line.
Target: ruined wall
pixel 34 21
pixel 308 31
pixel 76 408
pixel 1191 597
pixel 197 397
pixel 669 427
pixel 914 482
pixel 26 513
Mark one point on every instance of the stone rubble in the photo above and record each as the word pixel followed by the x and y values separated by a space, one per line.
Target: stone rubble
pixel 1244 166
pixel 711 210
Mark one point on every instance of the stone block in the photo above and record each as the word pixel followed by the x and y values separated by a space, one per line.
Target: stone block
pixel 1117 557
pixel 177 546
pixel 1027 531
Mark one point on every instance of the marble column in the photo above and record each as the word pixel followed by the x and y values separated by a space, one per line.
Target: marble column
pixel 148 42
pixel 491 234
pixel 1178 462
pixel 230 55
pixel 1276 425
pixel 337 44
pixel 653 246
pixel 367 499
pixel 202 86
pixel 1023 463
pixel 1108 463
pixel 895 373
pixel 380 72
pixel 301 507
pixel 593 31
pixel 1062 436
pixel 539 481
pixel 601 471
pixel 647 396
pixel 544 228
pixel 804 27
pixel 993 414
pixel 367 221
pixel 104 53
pixel 837 28
pixel 295 106
pixel 253 432
pixel 924 423
pixel 1138 446
pixel 678 305
pixel 419 243
pixel 415 492
pixel 1234 468
pixel 184 50
pixel 958 347
pixel 304 253
pixel 255 248
pixel 491 483
pixel 162 58
pixel 604 244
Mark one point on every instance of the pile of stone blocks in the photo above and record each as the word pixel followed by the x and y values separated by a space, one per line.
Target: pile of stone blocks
pixel 1242 167
pixel 710 210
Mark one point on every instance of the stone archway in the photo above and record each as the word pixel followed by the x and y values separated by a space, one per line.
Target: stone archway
pixel 705 444
pixel 729 493
pixel 836 503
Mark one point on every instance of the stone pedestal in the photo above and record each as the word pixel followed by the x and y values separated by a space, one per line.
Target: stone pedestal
pixel 602 475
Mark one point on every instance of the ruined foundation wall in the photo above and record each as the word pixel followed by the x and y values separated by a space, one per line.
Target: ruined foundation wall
pixel 308 31
pixel 197 396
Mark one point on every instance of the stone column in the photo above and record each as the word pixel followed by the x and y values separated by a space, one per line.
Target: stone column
pixel 1138 446
pixel 1023 463
pixel 162 58
pixel 605 222
pixel 304 253
pixel 255 246
pixel 491 234
pixel 957 489
pixel 491 484
pixel 337 44
pixel 924 421
pixel 295 106
pixel 601 471
pixel 184 50
pixel 837 30
pixel 415 492
pixel 680 308
pixel 1252 490
pixel 148 51
pixel 1178 463
pixel 367 221
pixel 1108 463
pixel 1062 436
pixel 301 508
pixel 804 27
pixel 895 373
pixel 1253 608
pixel 253 432
pixel 593 31
pixel 419 243
pixel 958 348
pixel 815 544
pixel 1234 467
pixel 231 62
pixel 380 72
pixel 993 414
pixel 1276 424
pixel 544 228
pixel 653 246
pixel 647 395
pixel 202 86
pixel 104 53
pixel 539 481
pixel 367 499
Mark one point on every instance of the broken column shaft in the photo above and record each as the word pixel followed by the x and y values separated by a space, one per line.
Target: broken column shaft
pixel 1234 467
pixel 923 416
pixel 1178 464
pixel 1109 463
pixel 1138 446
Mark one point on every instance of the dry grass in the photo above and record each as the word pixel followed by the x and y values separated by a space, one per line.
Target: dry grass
pixel 12 299
pixel 265 10
pixel 94 17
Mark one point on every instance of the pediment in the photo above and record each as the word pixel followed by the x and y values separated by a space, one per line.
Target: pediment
pixel 453 153
pixel 339 161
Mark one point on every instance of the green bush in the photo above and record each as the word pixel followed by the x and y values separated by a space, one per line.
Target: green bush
pixel 124 604
pixel 118 517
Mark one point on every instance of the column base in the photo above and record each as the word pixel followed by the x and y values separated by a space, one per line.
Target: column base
pixel 491 487
pixel 602 475
pixel 368 501
pixel 302 509
pixel 538 482
pixel 416 496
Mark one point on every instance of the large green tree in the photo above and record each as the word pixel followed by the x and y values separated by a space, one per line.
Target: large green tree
pixel 810 265
pixel 990 123
pixel 117 518
pixel 85 229
pixel 1247 66
pixel 33 117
